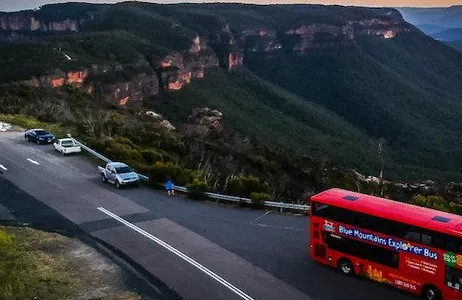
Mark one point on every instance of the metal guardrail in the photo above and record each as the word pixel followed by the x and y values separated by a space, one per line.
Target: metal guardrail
pixel 280 205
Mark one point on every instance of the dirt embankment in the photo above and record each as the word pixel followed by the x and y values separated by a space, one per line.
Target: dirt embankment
pixel 42 265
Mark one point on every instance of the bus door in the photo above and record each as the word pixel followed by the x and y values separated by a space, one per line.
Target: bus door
pixel 319 248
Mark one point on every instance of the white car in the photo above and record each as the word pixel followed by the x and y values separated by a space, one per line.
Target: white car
pixel 66 146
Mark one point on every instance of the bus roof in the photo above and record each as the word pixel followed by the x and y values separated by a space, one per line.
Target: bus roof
pixel 393 210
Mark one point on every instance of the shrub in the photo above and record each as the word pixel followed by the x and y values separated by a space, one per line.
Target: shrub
pixel 243 186
pixel 436 202
pixel 160 172
pixel 258 199
pixel 197 189
pixel 151 156
pixel 140 167
pixel 124 151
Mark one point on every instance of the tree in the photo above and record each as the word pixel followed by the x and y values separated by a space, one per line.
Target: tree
pixel 436 202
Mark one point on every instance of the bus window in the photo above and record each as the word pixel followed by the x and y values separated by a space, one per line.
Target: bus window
pixel 426 239
pixel 413 236
pixel 320 210
pixel 363 250
pixel 454 278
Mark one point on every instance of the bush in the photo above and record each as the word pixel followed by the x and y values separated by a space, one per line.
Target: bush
pixel 123 150
pixel 197 189
pixel 436 202
pixel 151 156
pixel 160 172
pixel 244 186
pixel 258 199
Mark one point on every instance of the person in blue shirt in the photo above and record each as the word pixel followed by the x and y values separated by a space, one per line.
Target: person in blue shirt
pixel 169 188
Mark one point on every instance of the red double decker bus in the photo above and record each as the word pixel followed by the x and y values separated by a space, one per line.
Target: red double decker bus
pixel 412 248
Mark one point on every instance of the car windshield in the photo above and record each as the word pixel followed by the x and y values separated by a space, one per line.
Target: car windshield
pixel 41 132
pixel 67 143
pixel 122 170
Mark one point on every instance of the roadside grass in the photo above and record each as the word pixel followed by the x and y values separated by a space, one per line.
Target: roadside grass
pixel 42 265
pixel 28 122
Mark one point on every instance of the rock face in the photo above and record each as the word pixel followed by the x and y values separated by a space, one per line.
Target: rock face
pixel 179 69
pixel 59 78
pixel 165 123
pixel 202 121
pixel 122 92
pixel 227 46
pixel 173 72
pixel 28 21
pixel 321 35
pixel 259 40
pixel 126 92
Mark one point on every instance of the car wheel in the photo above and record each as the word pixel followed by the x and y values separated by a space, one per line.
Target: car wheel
pixel 103 178
pixel 26 138
pixel 62 153
pixel 117 184
pixel 38 142
pixel 345 266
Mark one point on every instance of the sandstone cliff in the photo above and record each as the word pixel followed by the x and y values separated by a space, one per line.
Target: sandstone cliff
pixel 28 21
pixel 226 45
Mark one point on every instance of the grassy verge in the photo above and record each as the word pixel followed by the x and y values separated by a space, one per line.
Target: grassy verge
pixel 42 265
pixel 28 122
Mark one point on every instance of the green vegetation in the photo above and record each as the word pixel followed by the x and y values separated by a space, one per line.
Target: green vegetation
pixel 197 189
pixel 41 265
pixel 26 273
pixel 31 122
pixel 245 186
pixel 258 199
pixel 293 124
pixel 437 202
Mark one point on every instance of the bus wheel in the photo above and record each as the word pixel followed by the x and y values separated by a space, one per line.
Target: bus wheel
pixel 431 293
pixel 345 266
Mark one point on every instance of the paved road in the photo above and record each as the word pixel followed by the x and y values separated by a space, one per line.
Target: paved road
pixel 200 250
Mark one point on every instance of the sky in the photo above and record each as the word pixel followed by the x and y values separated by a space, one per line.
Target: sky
pixel 12 5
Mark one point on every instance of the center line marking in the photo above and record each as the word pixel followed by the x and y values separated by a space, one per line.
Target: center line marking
pixel 178 253
pixel 3 167
pixel 34 162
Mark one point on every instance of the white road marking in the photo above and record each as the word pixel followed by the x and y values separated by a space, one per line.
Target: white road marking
pixel 3 168
pixel 34 162
pixel 265 214
pixel 278 227
pixel 179 254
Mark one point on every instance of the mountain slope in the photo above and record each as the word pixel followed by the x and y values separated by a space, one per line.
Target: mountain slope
pixel 456 45
pixel 452 34
pixel 446 17
pixel 323 81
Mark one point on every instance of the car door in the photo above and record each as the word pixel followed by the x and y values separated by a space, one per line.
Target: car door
pixel 112 174
pixel 33 136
